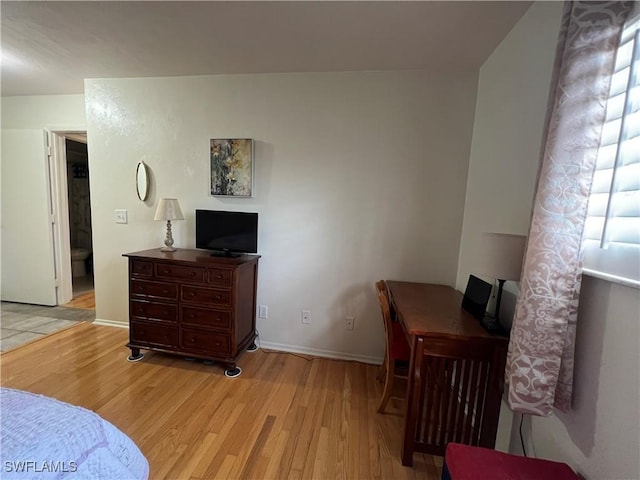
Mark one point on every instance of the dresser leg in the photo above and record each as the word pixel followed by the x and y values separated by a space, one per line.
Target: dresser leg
pixel 136 355
pixel 252 348
pixel 232 371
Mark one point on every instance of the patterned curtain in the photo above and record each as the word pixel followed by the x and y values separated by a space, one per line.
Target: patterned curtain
pixel 540 361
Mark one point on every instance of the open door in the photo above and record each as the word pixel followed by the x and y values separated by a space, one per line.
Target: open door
pixel 28 266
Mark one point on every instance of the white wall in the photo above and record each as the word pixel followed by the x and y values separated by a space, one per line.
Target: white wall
pixel 599 437
pixel 359 176
pixel 507 132
pixel 65 112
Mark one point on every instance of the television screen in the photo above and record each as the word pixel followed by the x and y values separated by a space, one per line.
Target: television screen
pixel 227 232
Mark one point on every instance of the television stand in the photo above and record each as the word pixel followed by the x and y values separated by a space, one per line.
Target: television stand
pixel 190 304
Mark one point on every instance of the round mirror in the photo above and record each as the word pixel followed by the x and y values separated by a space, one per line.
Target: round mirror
pixel 142 181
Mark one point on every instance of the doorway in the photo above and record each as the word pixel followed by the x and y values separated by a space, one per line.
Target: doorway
pixel 71 209
pixel 80 233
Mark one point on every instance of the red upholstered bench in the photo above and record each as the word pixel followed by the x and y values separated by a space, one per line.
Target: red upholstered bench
pixel 462 462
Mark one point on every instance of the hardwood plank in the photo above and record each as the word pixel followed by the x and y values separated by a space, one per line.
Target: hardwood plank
pixel 215 464
pixel 85 301
pixel 320 460
pixel 254 456
pixel 198 454
pixel 273 469
pixel 225 468
pixel 284 417
pixel 334 420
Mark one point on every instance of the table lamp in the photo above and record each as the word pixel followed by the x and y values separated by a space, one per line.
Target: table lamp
pixel 500 256
pixel 168 209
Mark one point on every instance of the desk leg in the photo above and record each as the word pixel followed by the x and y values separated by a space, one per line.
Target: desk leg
pixel 414 386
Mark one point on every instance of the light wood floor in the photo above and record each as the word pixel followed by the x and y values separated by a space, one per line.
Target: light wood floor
pixel 284 417
pixel 86 300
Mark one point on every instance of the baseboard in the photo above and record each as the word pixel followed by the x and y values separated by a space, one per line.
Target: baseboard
pixel 281 347
pixel 317 352
pixel 110 323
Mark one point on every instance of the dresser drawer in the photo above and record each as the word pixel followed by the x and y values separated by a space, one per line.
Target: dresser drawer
pixel 144 288
pixel 216 344
pixel 154 311
pixel 205 317
pixel 180 272
pixel 220 277
pixel 144 333
pixel 205 295
pixel 141 268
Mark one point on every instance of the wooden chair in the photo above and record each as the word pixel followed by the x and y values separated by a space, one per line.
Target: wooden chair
pixel 396 349
pixel 459 397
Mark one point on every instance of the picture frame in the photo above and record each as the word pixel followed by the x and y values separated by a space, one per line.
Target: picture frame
pixel 232 165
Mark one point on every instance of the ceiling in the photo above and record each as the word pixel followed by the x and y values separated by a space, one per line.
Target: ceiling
pixel 50 47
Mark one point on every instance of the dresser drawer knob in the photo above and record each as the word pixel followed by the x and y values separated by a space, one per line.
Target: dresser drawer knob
pixel 165 312
pixel 192 340
pixel 141 288
pixel 193 315
pixel 193 274
pixel 219 277
pixel 165 271
pixel 218 297
pixel 165 291
pixel 218 344
pixel 192 294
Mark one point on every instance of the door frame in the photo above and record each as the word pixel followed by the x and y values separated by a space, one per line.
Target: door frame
pixel 60 207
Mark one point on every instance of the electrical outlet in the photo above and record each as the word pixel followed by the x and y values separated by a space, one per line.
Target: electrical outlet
pixel 263 311
pixel 306 316
pixel 121 216
pixel 348 323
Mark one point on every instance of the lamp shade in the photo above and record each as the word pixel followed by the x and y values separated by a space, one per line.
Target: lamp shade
pixel 499 255
pixel 168 209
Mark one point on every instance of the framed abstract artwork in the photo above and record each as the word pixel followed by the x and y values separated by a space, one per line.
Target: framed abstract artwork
pixel 232 167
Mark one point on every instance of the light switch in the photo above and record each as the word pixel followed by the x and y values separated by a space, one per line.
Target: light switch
pixel 121 216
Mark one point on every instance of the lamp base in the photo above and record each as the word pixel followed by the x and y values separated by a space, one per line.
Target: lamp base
pixel 168 240
pixel 499 299
pixel 492 326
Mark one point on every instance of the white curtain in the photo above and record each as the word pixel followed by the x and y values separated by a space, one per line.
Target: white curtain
pixel 540 362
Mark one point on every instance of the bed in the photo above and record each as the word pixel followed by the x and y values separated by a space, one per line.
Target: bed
pixel 44 438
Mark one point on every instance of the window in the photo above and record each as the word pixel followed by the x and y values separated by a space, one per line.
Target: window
pixel 612 229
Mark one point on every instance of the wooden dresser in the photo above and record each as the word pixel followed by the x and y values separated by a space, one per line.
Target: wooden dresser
pixel 191 303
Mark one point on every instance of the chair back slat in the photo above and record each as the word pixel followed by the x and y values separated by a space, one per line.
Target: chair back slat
pixel 457 393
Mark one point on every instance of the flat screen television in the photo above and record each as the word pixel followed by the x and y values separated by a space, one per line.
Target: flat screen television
pixel 227 233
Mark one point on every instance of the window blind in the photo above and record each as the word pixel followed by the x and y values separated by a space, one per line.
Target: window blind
pixel 612 228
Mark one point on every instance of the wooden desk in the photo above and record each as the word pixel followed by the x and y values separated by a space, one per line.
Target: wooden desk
pixel 456 372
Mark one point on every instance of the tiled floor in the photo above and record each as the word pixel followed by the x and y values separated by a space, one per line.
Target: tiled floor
pixel 22 323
